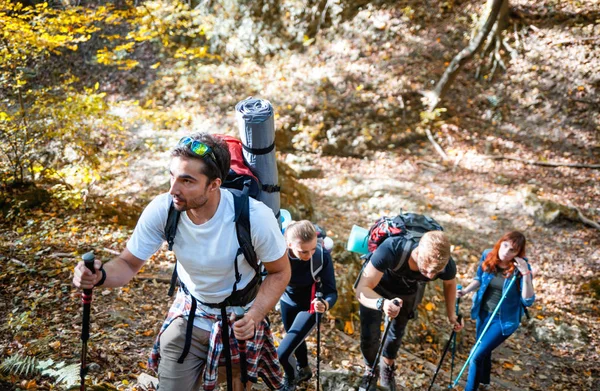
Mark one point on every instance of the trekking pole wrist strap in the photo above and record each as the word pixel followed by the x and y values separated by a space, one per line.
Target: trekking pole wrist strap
pixel 103 276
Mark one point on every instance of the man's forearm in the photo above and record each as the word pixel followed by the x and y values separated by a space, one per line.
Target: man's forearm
pixel 118 273
pixel 367 297
pixel 450 297
pixel 474 285
pixel 269 293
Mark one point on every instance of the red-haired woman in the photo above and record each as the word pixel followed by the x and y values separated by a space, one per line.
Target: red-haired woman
pixel 496 268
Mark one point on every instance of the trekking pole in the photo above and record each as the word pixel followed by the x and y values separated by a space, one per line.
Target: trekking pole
pixel 380 350
pixel 452 338
pixel 512 281
pixel 457 310
pixel 239 314
pixel 318 296
pixel 86 298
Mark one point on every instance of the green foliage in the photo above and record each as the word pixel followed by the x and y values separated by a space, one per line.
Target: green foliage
pixel 29 366
pixel 428 117
pixel 55 127
pixel 67 375
pixel 20 365
pixel 47 126
pixel 176 30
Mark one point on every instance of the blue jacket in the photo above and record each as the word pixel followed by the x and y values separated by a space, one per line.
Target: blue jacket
pixel 511 309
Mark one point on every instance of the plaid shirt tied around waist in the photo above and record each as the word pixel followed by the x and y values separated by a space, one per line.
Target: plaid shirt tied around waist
pixel 261 354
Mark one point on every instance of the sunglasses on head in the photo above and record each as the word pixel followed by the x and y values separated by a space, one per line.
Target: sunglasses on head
pixel 197 148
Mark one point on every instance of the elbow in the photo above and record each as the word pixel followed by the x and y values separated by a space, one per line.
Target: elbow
pixel 287 274
pixel 357 293
pixel 529 301
pixel 333 300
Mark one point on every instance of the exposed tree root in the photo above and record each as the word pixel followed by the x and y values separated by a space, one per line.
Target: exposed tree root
pixel 493 24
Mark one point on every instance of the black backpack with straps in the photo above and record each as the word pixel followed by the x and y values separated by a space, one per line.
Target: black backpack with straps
pixel 241 204
pixel 407 228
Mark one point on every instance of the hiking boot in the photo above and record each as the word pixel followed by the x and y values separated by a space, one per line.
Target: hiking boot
pixel 387 378
pixel 304 374
pixel 484 386
pixel 368 375
pixel 288 385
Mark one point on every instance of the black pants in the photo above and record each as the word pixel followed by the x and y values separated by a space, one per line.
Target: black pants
pixel 370 330
pixel 297 324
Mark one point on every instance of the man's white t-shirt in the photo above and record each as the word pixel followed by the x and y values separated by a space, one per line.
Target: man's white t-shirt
pixel 206 252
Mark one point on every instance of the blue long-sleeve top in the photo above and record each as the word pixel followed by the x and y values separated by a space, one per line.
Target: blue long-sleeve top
pixel 511 310
pixel 298 291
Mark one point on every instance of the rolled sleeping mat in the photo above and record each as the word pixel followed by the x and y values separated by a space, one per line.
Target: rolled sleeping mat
pixel 257 131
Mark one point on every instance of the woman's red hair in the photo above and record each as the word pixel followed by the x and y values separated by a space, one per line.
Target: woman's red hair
pixel 492 260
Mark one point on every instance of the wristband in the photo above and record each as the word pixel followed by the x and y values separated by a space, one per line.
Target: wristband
pixel 103 276
pixel 524 274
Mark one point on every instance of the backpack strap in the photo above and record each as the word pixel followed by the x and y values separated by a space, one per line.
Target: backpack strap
pixel 316 262
pixel 170 231
pixel 241 205
pixel 259 151
pixel 406 250
pixel 188 331
pixel 271 188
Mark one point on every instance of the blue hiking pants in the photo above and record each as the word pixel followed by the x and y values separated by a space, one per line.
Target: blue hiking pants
pixel 481 363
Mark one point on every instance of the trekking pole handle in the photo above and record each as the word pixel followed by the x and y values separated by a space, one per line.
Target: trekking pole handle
pixel 396 302
pixel 239 312
pixel 88 260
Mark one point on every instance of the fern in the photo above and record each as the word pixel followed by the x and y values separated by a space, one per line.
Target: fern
pixel 28 366
pixel 21 365
pixel 67 375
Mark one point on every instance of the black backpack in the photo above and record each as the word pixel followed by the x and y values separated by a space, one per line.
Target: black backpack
pixel 241 204
pixel 410 227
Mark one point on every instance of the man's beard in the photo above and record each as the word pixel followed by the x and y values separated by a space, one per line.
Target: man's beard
pixel 194 203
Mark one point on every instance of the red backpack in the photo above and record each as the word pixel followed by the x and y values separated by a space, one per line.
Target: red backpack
pixel 239 170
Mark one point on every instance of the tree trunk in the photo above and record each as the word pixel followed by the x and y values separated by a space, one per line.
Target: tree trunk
pixel 466 54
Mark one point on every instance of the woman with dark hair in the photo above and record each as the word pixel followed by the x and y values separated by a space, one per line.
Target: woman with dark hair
pixel 496 267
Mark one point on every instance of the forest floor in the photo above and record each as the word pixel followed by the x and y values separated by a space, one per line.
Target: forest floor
pixel 348 110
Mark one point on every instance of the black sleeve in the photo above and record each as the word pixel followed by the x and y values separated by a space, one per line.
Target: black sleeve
pixel 384 256
pixel 328 280
pixel 449 271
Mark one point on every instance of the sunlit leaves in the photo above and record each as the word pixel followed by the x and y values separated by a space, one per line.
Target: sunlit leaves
pixel 45 127
pixel 174 28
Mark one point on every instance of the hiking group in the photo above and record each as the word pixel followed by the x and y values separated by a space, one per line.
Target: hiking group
pixel 234 266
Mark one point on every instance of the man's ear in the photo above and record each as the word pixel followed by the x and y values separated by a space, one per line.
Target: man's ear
pixel 214 185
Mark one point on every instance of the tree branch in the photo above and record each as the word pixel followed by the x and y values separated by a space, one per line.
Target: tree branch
pixel 437 147
pixel 570 41
pixel 585 220
pixel 546 164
